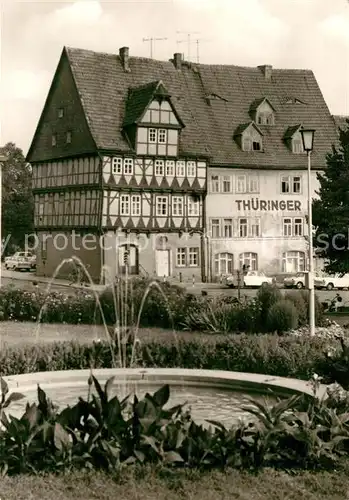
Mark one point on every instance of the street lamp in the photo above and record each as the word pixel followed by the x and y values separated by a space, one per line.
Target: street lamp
pixel 308 143
pixel 3 158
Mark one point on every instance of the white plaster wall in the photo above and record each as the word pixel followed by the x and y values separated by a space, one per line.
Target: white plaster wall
pixel 271 244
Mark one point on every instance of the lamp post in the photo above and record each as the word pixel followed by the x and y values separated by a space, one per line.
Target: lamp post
pixel 308 143
pixel 3 159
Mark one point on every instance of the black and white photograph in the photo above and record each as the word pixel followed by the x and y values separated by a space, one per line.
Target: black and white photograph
pixel 174 241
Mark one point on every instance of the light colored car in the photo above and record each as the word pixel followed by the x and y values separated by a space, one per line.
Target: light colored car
pixel 21 261
pixel 251 279
pixel 298 280
pixel 334 281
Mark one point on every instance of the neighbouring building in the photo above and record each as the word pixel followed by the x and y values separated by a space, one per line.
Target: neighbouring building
pixel 179 169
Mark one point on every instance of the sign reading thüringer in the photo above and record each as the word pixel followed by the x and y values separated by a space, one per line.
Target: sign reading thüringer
pixel 269 205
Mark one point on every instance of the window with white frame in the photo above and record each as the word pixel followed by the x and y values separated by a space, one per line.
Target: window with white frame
pixel 253 184
pixel 287 227
pixel 255 228
pixel 246 144
pixel 293 262
pixel 227 228
pixel 223 263
pixel 54 140
pixel 159 167
pixel 180 168
pixel 161 206
pixel 136 204
pixel 116 165
pixel 170 166
pixel 243 228
pixel 215 228
pixel 162 135
pixel 125 204
pixel 177 206
pixel 297 146
pixel 226 184
pixel 296 182
pixel 68 137
pixel 215 184
pixel 60 112
pixel 291 184
pixel 241 184
pixel 193 257
pixel 257 145
pixel 181 257
pixel 298 227
pixel 193 206
pixel 191 169
pixel 187 257
pixel 265 118
pixel 250 260
pixel 128 166
pixel 152 135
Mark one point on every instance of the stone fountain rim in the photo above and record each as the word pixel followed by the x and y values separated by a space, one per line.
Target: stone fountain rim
pixel 234 381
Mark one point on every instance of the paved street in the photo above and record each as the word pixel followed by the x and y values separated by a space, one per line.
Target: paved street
pixel 25 280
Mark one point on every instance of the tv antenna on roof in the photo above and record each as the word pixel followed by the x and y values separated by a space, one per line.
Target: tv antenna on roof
pixel 151 42
pixel 197 42
pixel 189 41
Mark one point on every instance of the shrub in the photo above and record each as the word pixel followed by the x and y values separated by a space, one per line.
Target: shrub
pixel 296 357
pixel 220 315
pixel 282 316
pixel 267 296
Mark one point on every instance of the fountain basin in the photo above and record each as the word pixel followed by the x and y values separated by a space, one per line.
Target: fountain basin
pixel 211 394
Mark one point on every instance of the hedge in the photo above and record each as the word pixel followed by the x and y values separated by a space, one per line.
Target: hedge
pixel 290 356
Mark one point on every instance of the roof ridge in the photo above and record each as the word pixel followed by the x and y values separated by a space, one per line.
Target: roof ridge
pixel 189 63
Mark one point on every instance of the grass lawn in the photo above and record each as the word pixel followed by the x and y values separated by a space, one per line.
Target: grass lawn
pixel 13 333
pixel 188 485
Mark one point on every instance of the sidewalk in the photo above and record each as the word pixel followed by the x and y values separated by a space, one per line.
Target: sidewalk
pixel 32 277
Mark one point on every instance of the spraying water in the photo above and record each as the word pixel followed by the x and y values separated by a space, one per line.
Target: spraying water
pixel 124 327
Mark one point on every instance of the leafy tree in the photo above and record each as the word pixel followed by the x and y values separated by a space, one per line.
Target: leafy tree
pixel 331 209
pixel 17 199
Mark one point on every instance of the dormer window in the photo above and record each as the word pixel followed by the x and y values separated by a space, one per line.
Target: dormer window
pixel 151 121
pixel 262 112
pixel 293 139
pixel 249 137
pixel 265 118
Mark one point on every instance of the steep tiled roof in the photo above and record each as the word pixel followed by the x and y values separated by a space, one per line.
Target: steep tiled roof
pixel 104 87
pixel 137 101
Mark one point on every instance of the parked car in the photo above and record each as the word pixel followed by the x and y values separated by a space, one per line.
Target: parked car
pixel 251 279
pixel 21 261
pixel 334 281
pixel 298 280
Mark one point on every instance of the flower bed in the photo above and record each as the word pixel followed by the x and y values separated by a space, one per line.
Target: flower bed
pixel 161 305
pixel 103 432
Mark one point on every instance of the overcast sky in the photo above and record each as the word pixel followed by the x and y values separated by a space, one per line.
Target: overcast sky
pixel 312 34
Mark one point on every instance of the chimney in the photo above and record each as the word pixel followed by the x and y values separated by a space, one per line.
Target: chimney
pixel 123 53
pixel 177 60
pixel 267 70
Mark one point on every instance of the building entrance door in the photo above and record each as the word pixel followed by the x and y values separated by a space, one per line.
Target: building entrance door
pixel 162 263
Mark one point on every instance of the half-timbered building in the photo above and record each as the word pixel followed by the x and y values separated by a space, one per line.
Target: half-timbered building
pixel 190 170
pixel 119 167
